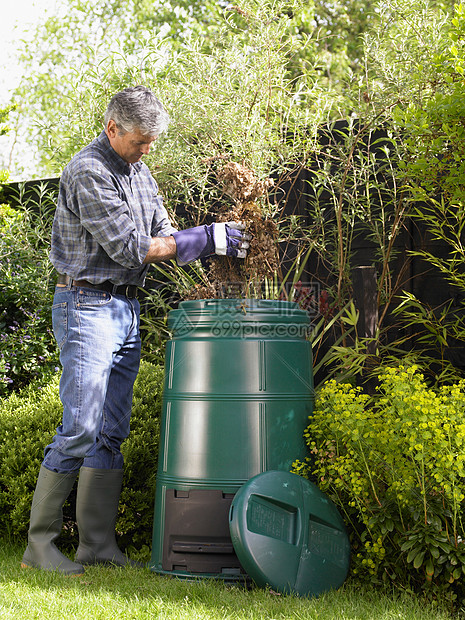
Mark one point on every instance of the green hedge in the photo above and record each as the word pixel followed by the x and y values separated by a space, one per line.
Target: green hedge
pixel 28 349
pixel 27 424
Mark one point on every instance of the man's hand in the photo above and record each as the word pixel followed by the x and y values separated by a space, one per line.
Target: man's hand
pixel 230 240
pixel 225 239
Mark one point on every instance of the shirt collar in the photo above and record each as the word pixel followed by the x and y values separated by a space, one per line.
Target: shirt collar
pixel 117 162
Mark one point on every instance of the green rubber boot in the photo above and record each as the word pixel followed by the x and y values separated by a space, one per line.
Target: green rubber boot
pixel 96 512
pixel 50 494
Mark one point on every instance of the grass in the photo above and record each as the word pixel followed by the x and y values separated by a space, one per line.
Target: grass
pixel 123 593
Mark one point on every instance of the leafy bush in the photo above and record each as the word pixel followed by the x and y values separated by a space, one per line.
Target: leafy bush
pixel 27 346
pixel 140 452
pixel 27 423
pixel 395 465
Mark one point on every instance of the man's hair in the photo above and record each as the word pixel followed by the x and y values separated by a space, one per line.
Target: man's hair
pixel 137 108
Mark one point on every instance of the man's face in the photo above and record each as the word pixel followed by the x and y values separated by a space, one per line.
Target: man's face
pixel 131 145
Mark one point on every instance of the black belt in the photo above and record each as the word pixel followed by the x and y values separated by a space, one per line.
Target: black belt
pixel 128 290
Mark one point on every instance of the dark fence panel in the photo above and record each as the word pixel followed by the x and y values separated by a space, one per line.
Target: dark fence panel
pixel 29 189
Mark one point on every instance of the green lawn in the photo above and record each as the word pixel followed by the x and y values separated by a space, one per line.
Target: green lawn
pixel 117 593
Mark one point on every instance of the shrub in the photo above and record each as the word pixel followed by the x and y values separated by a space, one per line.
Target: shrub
pixel 140 452
pixel 27 346
pixel 395 465
pixel 27 423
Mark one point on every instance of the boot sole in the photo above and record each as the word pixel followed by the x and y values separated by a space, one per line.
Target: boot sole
pixel 23 565
pixel 108 563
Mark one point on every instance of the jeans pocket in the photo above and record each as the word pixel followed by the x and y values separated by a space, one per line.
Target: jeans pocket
pixel 87 297
pixel 60 322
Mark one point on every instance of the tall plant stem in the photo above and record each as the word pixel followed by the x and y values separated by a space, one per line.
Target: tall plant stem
pixel 342 252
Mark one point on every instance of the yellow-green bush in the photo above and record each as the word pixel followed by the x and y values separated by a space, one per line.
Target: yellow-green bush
pixel 394 464
pixel 27 424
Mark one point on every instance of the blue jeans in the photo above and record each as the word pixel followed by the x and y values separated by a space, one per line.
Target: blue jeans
pixel 99 341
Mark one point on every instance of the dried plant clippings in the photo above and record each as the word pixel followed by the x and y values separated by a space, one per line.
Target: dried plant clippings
pixel 230 277
pixel 240 182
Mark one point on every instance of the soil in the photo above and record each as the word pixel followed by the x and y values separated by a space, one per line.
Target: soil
pixel 235 277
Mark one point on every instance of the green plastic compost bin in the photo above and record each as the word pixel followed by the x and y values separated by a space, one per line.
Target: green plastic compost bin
pixel 237 396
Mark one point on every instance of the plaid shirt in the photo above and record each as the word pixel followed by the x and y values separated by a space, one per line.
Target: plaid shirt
pixel 107 213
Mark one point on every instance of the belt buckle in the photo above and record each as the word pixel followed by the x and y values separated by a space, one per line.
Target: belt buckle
pixel 127 290
pixel 130 290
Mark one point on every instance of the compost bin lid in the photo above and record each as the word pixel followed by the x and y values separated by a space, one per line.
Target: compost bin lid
pixel 288 535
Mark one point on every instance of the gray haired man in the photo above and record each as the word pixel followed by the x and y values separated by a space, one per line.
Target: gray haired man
pixel 109 225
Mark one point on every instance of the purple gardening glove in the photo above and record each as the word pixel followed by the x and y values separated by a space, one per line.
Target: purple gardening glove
pixel 226 239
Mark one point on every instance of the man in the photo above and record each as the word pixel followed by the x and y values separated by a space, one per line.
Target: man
pixel 110 224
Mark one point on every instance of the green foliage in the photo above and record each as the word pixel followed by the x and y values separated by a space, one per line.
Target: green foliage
pixel 432 118
pixel 234 100
pixel 4 114
pixel 237 101
pixel 434 143
pixel 67 52
pixel 27 346
pixel 76 49
pixel 419 70
pixel 339 26
pixel 78 39
pixel 430 123
pixel 367 185
pixel 355 201
pixel 4 129
pixel 402 48
pixel 352 195
pixel 394 463
pixel 27 424
pixel 434 167
pixel 140 451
